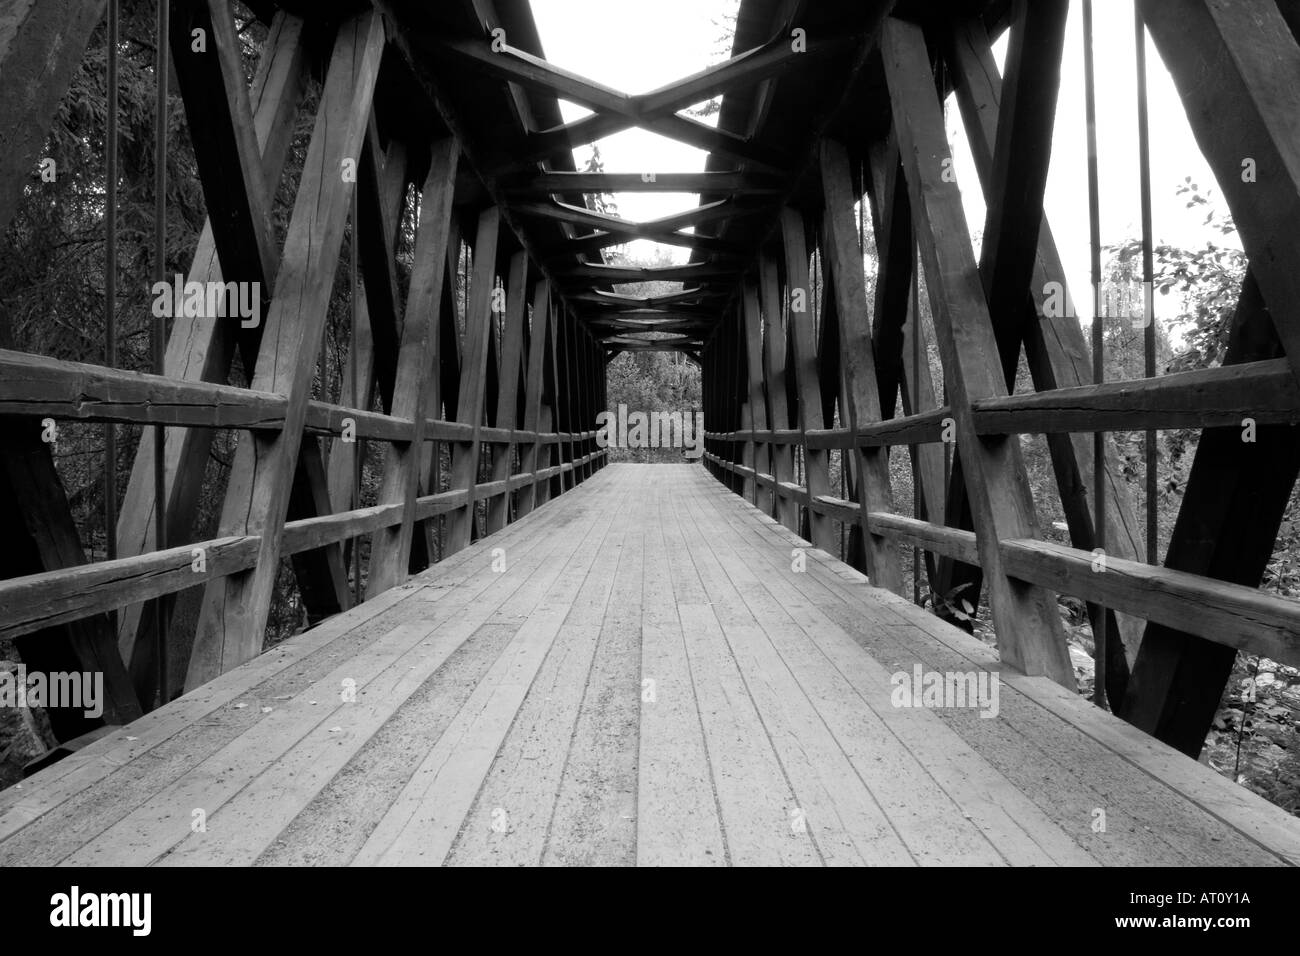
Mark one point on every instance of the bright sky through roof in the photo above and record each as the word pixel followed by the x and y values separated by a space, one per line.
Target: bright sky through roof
pixel 636 47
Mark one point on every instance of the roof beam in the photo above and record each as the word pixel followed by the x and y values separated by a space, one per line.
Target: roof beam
pixel 731 183
pixel 694 272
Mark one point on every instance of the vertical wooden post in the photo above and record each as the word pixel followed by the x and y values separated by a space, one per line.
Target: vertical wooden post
pixel 551 404
pixel 512 346
pixel 1026 619
pixel 800 303
pixel 759 422
pixel 774 355
pixel 235 609
pixel 858 363
pixel 534 379
pixel 390 547
pixel 202 349
pixel 473 380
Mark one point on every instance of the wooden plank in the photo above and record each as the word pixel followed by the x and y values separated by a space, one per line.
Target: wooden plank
pixel 390 548
pixel 40 386
pixel 832 802
pixel 36 601
pixel 944 799
pixel 1026 619
pixel 858 363
pixel 1221 805
pixel 938 538
pixel 283 760
pixel 1231 396
pixel 754 797
pixel 235 609
pixel 305 534
pixel 594 817
pixel 1240 617
pixel 422 823
pixel 108 766
pixel 673 768
pixel 1051 764
pixel 471 405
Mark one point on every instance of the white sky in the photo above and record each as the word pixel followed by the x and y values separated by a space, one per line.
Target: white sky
pixel 622 44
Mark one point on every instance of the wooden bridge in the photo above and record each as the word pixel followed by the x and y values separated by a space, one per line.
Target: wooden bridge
pixel 523 654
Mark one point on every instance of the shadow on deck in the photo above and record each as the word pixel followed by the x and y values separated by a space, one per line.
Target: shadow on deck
pixel 632 674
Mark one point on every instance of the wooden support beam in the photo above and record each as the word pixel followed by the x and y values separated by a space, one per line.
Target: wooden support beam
pixel 1021 156
pixel 390 547
pixel 566 183
pixel 858 363
pixel 903 362
pixel 1232 616
pixel 212 86
pixel 774 364
pixel 381 196
pixel 41 538
pixel 592 244
pixel 1028 625
pixel 471 405
pixel 799 327
pixel 202 349
pixel 1235 499
pixel 40 386
pixel 320 572
pixel 41 47
pixel 1237 69
pixel 617 111
pixel 761 457
pixel 1057 354
pixel 30 604
pixel 235 609
pixel 1229 396
pixel 530 452
pixel 608 275
pixel 512 350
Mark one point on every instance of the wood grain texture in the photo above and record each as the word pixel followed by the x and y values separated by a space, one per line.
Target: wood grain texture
pixel 645 680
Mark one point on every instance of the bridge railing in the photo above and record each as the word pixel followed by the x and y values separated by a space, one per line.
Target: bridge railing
pixel 55 390
pixel 804 368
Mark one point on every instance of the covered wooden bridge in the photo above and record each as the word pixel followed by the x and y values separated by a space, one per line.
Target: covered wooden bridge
pixel 524 654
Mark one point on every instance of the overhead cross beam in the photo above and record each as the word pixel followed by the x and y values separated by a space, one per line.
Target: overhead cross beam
pixel 615 230
pixel 731 183
pixel 656 111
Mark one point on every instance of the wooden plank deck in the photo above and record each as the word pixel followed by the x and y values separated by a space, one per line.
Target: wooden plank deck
pixel 643 678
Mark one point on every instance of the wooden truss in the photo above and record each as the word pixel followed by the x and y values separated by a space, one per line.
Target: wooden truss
pixel 480 364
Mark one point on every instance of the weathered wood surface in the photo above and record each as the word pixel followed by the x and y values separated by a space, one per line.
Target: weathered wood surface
pixel 645 680
pixel 235 609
